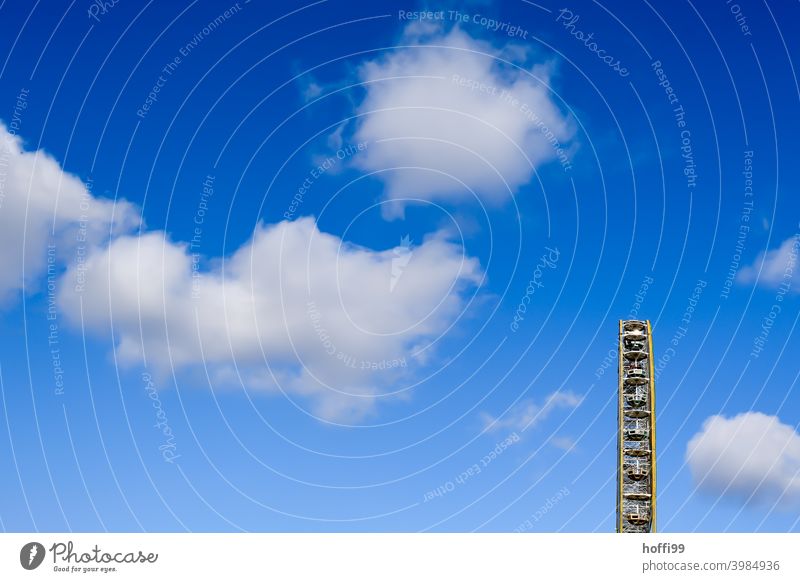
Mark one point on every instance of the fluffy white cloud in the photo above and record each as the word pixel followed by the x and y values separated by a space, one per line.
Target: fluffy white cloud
pixel 40 204
pixel 448 105
pixel 293 309
pixel 752 456
pixel 334 321
pixel 778 267
pixel 527 413
pixel 565 443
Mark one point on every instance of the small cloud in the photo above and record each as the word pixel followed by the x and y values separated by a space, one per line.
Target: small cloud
pixel 335 140
pixel 527 413
pixel 311 91
pixel 565 443
pixel 774 268
pixel 752 457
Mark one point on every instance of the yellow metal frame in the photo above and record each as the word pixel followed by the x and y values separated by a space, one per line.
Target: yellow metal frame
pixel 652 430
pixel 620 421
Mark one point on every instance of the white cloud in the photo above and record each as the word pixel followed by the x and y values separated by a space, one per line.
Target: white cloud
pixel 565 443
pixel 40 204
pixel 752 456
pixel 443 104
pixel 330 318
pixel 293 309
pixel 527 413
pixel 312 91
pixel 778 267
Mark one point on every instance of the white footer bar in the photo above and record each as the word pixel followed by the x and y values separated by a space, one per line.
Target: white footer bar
pixel 389 557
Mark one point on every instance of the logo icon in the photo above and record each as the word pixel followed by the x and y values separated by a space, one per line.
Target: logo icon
pixel 31 555
pixel 402 255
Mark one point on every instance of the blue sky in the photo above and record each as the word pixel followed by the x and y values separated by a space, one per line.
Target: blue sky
pixel 290 244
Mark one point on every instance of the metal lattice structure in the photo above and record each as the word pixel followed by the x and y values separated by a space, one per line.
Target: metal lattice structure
pixel 636 465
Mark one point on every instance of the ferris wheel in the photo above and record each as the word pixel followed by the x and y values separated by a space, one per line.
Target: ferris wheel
pixel 636 465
